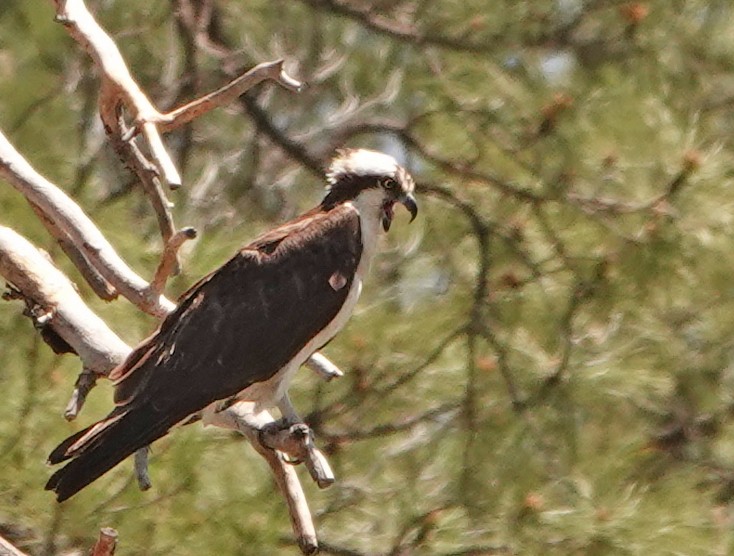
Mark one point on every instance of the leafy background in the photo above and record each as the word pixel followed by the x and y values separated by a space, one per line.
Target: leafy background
pixel 540 364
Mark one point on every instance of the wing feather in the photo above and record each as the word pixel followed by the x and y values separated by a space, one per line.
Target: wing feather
pixel 244 321
pixel 237 326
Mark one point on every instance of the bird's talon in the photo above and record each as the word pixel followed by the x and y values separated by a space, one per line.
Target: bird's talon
pixel 290 460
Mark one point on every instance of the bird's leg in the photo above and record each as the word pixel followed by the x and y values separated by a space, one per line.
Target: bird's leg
pixel 235 416
pixel 260 427
pixel 141 468
pixel 295 445
pixel 290 417
pixel 315 461
pixel 288 412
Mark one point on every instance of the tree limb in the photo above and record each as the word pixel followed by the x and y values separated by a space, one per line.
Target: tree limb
pixel 72 220
pixel 118 85
pixel 120 89
pixel 36 277
pixel 242 417
pixel 7 549
pixel 228 93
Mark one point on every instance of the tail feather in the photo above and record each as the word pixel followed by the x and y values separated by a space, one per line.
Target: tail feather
pixel 82 440
pixel 59 453
pixel 114 439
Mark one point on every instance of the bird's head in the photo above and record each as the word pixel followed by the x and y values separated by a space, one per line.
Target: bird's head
pixel 372 180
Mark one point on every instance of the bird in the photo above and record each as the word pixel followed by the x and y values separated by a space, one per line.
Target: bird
pixel 241 332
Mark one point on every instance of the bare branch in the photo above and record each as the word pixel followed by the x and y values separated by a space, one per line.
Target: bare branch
pixel 7 549
pixel 230 92
pixel 133 158
pixel 242 418
pixel 72 220
pixel 169 259
pixel 118 85
pixel 36 277
pixel 319 364
pixel 119 88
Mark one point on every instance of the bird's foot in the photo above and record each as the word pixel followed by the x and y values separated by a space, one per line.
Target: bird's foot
pixel 295 444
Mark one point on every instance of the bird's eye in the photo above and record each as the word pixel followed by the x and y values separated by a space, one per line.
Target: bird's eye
pixel 388 183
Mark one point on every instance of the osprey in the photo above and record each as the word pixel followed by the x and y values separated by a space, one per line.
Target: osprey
pixel 241 332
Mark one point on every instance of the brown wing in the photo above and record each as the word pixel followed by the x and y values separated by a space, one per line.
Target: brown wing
pixel 238 326
pixel 243 322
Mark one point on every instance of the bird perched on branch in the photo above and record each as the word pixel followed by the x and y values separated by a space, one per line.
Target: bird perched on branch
pixel 240 333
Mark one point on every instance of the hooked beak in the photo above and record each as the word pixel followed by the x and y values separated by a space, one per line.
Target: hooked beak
pixel 409 203
pixel 407 200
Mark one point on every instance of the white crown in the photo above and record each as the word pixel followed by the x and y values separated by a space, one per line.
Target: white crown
pixel 361 162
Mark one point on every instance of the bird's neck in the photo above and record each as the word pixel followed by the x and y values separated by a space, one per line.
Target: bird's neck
pixel 369 206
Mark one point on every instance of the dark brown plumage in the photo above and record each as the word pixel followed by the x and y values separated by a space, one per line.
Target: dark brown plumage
pixel 241 324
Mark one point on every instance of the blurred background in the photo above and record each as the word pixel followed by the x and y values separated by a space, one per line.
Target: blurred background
pixel 542 363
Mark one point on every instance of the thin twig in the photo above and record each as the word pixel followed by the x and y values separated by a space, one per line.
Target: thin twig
pixel 169 260
pixel 134 159
pixel 228 93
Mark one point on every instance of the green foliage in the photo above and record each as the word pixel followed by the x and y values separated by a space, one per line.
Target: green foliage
pixel 540 364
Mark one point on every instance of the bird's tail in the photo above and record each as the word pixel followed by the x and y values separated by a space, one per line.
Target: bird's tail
pixel 98 448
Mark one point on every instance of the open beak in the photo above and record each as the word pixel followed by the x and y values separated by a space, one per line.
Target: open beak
pixel 407 200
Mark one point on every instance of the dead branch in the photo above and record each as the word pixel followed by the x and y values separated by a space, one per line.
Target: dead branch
pixel 7 549
pixel 71 219
pixel 323 367
pixel 118 86
pixel 133 158
pixel 120 89
pixel 169 259
pixel 106 543
pixel 38 279
pixel 228 93
pixel 242 417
